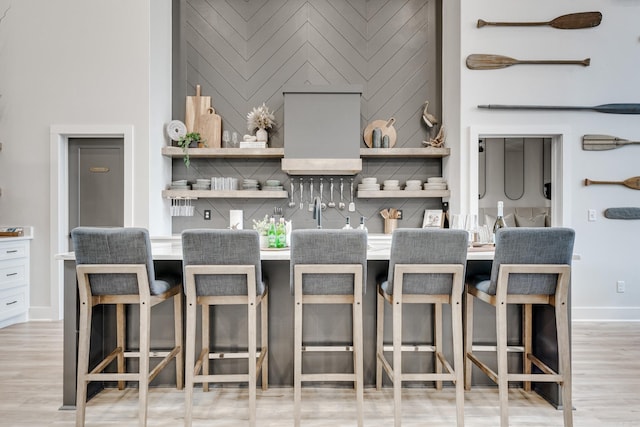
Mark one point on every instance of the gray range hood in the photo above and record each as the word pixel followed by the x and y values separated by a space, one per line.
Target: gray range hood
pixel 322 130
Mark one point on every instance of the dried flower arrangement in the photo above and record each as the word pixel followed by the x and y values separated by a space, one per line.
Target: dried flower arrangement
pixel 260 118
pixel 262 225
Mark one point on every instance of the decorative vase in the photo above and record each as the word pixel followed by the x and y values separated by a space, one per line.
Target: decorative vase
pixel 264 241
pixel 262 135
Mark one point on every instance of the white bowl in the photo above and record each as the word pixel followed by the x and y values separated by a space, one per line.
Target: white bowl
pixel 414 182
pixel 372 180
pixel 436 180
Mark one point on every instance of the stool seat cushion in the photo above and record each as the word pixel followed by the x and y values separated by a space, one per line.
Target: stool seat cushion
pixel 94 245
pixel 328 247
pixel 223 247
pixel 553 245
pixel 425 246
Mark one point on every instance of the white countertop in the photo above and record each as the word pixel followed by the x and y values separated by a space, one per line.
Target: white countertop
pixel 379 246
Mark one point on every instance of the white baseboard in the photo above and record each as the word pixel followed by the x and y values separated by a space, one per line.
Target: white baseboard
pixel 626 314
pixel 42 313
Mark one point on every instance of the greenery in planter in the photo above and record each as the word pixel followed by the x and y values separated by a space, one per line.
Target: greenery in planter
pixel 184 143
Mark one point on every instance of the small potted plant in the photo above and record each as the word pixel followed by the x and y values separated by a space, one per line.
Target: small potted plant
pixel 262 227
pixel 261 118
pixel 184 143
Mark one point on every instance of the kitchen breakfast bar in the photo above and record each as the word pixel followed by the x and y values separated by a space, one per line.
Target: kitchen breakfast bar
pixel 327 324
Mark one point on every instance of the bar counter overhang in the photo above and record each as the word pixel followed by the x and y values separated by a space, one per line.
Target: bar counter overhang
pixel 330 323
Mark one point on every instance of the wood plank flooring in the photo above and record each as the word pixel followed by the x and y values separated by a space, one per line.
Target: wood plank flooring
pixel 606 367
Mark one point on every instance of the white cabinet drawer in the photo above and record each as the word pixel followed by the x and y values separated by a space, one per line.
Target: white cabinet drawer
pixel 13 302
pixel 13 273
pixel 11 250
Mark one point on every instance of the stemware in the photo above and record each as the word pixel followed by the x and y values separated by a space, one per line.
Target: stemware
pixel 226 138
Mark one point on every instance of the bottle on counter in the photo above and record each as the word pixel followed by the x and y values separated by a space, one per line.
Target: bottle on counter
pixel 362 226
pixel 272 233
pixel 281 234
pixel 499 220
pixel 347 225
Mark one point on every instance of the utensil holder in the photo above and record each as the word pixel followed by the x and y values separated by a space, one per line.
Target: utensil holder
pixel 390 225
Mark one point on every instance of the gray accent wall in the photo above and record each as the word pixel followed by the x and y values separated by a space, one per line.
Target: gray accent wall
pixel 243 53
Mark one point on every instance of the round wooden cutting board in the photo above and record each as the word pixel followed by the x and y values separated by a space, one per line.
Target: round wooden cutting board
pixel 386 126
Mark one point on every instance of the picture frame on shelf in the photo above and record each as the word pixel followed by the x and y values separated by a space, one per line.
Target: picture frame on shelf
pixel 433 218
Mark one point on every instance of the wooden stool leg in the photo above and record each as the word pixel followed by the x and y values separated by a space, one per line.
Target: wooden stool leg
pixel 437 329
pixel 177 324
pixel 264 339
pixel 379 338
pixel 190 361
pixel 527 328
pixel 84 340
pixel 564 365
pixel 206 315
pixel 252 322
pixel 468 339
pixel 143 373
pixel 397 362
pixel 503 379
pixel 458 357
pixel 357 357
pixel 297 358
pixel 120 340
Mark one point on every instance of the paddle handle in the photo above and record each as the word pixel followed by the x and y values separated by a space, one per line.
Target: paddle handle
pixel 482 23
pixel 605 108
pixel 588 181
pixel 585 62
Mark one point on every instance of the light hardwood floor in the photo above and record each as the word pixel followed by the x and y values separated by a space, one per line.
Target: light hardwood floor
pixel 606 367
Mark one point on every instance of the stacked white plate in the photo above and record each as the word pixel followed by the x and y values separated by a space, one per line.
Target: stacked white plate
pixel 180 184
pixel 436 180
pixel 413 185
pixel 202 184
pixel 369 184
pixel 435 183
pixel 250 184
pixel 272 185
pixel 391 185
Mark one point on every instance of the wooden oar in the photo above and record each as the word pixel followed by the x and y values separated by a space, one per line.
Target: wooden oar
pixel 480 61
pixel 604 142
pixel 571 21
pixel 604 108
pixel 633 182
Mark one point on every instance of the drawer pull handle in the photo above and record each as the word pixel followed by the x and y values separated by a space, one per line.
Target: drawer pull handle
pixel 12 274
pixel 12 252
pixel 12 302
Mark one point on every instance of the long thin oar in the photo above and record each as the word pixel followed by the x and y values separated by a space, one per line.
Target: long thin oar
pixel 572 21
pixel 604 142
pixel 480 61
pixel 633 182
pixel 604 108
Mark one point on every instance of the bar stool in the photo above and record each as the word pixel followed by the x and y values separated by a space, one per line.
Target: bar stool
pixel 222 267
pixel 114 266
pixel 328 267
pixel 531 266
pixel 425 267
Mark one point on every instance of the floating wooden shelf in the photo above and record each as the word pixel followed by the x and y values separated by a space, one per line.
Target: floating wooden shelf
pixel 402 194
pixel 225 194
pixel 424 152
pixel 232 153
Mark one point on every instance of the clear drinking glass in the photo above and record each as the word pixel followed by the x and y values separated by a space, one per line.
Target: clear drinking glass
pixel 226 139
pixel 234 140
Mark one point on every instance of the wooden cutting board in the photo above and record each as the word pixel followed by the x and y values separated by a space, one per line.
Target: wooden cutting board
pixel 386 126
pixel 196 106
pixel 210 128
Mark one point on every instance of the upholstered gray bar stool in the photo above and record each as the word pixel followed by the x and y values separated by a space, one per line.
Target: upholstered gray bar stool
pixel 114 266
pixel 328 267
pixel 222 267
pixel 530 266
pixel 425 267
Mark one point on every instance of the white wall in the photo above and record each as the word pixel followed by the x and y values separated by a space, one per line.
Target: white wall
pixel 79 63
pixel 606 247
pixel 88 62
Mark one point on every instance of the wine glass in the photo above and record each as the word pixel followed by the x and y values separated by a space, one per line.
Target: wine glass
pixel 234 140
pixel 226 138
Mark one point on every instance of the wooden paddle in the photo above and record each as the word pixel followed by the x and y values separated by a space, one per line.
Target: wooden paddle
pixel 604 142
pixel 571 21
pixel 604 108
pixel 633 183
pixel 479 61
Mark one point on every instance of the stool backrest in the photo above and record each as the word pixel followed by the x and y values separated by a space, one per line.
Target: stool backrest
pixel 222 247
pixel 427 246
pixel 539 245
pixel 315 246
pixel 95 245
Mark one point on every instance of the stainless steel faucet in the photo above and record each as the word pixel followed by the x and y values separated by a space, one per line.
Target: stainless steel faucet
pixel 317 211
